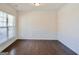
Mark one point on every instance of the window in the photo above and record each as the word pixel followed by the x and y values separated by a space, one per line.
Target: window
pixel 11 26
pixel 7 26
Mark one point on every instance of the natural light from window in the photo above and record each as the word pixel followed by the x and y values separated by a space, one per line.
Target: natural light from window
pixel 7 26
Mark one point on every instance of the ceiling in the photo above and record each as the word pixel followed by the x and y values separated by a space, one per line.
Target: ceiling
pixel 30 6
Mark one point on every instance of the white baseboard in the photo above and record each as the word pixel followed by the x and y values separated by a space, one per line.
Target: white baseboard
pixel 68 47
pixel 6 44
pixel 38 38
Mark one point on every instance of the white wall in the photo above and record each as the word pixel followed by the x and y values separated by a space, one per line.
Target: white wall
pixel 68 26
pixel 10 10
pixel 37 25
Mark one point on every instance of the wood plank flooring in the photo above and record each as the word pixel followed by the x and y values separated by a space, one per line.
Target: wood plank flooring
pixel 38 47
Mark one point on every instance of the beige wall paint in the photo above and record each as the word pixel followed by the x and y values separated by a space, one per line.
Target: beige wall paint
pixel 68 26
pixel 10 10
pixel 37 25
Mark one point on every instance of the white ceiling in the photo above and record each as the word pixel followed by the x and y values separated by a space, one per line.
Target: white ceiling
pixel 29 6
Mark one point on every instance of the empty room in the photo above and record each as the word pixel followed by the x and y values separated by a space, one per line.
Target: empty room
pixel 39 28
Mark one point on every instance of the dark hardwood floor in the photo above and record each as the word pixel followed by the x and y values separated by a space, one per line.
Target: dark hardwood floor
pixel 38 47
